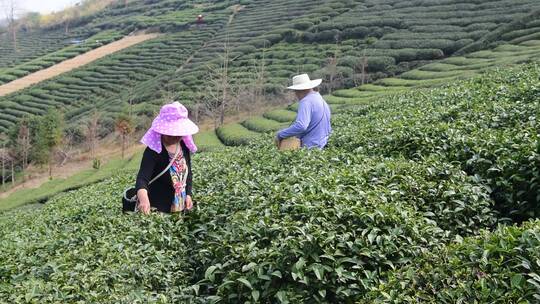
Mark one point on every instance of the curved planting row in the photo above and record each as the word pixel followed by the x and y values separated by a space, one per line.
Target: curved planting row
pixel 32 44
pixel 434 74
pixel 408 37
pixel 21 70
pixel 235 135
pixel 103 83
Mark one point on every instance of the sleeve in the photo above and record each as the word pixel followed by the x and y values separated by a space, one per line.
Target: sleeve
pixel 189 181
pixel 300 125
pixel 146 170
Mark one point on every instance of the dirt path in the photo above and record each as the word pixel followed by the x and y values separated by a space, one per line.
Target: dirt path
pixel 70 64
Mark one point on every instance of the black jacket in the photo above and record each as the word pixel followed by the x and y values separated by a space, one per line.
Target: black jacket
pixel 161 191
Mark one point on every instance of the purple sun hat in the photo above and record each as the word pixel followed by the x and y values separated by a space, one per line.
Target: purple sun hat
pixel 173 121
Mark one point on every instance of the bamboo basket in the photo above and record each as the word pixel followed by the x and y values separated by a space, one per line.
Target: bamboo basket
pixel 289 144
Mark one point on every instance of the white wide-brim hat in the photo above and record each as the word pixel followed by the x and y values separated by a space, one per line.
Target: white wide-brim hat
pixel 302 82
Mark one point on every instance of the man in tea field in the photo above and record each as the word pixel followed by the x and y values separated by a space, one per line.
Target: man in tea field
pixel 312 124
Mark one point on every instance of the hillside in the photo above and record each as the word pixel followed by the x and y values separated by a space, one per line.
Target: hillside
pixel 234 134
pixel 403 205
pixel 71 64
pixel 442 72
pixel 428 191
pixel 516 45
pixel 284 37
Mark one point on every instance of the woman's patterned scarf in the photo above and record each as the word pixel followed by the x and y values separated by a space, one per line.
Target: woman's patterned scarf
pixel 179 172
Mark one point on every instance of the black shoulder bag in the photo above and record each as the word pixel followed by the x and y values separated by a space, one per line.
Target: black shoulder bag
pixel 130 200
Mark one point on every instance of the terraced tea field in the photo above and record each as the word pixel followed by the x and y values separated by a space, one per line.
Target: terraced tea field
pixel 286 37
pixel 441 73
pixel 408 203
pixel 71 64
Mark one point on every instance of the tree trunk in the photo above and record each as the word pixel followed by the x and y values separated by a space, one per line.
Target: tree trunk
pixel 3 164
pixel 25 160
pixel 224 98
pixel 123 145
pixel 12 172
pixel 25 163
pixel 14 33
pixel 225 82
pixel 222 114
pixel 364 72
pixel 196 113
pixel 26 150
pixel 66 27
pixel 51 160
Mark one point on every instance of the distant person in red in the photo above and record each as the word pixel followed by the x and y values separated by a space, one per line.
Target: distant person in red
pixel 200 19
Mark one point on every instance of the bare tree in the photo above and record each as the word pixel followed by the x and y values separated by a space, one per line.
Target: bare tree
pixel 12 159
pixel 124 126
pixel 10 10
pixel 91 133
pixel 196 108
pixel 332 70
pixel 224 81
pixel 167 93
pixel 70 15
pixel 3 155
pixel 65 148
pixel 260 79
pixel 23 143
pixel 364 63
pixel 219 94
pixel 210 100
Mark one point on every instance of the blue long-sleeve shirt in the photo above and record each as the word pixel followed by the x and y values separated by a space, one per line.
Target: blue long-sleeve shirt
pixel 312 124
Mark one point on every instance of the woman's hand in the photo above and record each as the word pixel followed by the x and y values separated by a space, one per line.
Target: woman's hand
pixel 144 208
pixel 189 202
pixel 144 201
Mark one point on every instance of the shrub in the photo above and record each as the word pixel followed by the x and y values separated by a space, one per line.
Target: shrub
pixel 273 38
pixel 302 25
pixel 380 64
pixel 235 135
pixel 262 125
pixel 358 32
pixel 493 267
pixel 327 36
pixel 260 43
pixel 280 115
